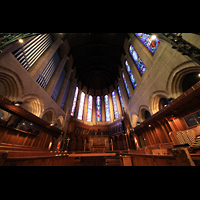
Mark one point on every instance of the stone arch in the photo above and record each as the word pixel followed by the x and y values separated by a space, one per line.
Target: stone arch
pixel 4 114
pixel 48 115
pixel 33 103
pixel 142 110
pixel 155 99
pixel 134 120
pixel 10 84
pixel 60 122
pixel 176 77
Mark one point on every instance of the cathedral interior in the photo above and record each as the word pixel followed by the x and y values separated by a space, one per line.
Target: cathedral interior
pixel 99 99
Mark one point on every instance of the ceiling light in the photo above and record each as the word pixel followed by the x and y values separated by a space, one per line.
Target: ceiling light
pixel 198 75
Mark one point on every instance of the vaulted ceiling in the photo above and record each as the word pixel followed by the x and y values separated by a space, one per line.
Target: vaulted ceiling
pixel 96 57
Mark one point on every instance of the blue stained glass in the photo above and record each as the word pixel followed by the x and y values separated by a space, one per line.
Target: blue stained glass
pixel 149 42
pixel 107 109
pixel 138 62
pixel 98 108
pixel 74 102
pixel 81 106
pixel 130 74
pixel 120 96
pixel 89 111
pixel 126 86
pixel 115 105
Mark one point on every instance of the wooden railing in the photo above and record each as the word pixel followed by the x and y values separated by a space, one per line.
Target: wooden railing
pixel 173 157
pixel 22 156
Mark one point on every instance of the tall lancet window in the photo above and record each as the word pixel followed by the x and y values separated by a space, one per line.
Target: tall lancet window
pixel 98 108
pixel 120 97
pixel 81 106
pixel 130 74
pixel 137 60
pixel 74 102
pixel 149 41
pixel 115 105
pixel 126 86
pixel 89 111
pixel 107 108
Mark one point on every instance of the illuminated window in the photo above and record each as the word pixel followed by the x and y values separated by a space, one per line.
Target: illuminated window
pixel 74 102
pixel 98 108
pixel 149 41
pixel 138 62
pixel 89 111
pixel 120 96
pixel 81 106
pixel 115 105
pixel 130 74
pixel 107 108
pixel 126 86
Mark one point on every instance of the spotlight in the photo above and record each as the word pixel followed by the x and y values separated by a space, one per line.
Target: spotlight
pixel 21 41
pixel 17 103
pixel 198 75
pixel 53 124
pixel 153 37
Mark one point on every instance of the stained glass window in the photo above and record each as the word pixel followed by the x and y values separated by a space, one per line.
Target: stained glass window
pixel 120 96
pixel 149 41
pixel 81 106
pixel 107 108
pixel 137 60
pixel 89 111
pixel 74 102
pixel 126 86
pixel 98 108
pixel 130 74
pixel 115 105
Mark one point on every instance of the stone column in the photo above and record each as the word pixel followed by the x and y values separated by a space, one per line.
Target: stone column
pixel 77 104
pixel 63 87
pixel 54 79
pixel 70 96
pixel 41 63
pixel 112 117
pixel 103 115
pixel 118 103
pixel 85 108
pixel 94 120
